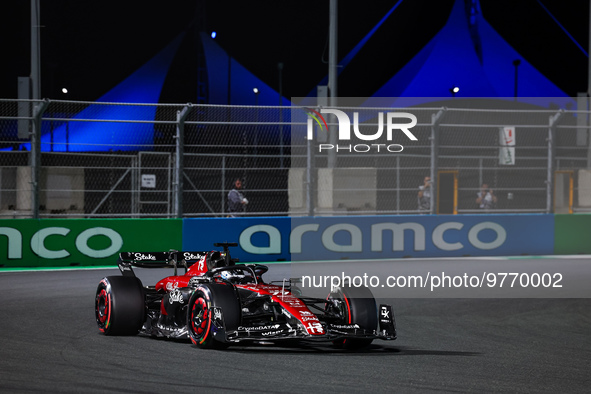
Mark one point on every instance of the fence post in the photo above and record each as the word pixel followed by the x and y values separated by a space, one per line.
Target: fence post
pixel 223 188
pixel 310 158
pixel 554 119
pixel 480 175
pixel 281 149
pixel 35 157
pixel 181 116
pixel 397 184
pixel 135 187
pixel 435 120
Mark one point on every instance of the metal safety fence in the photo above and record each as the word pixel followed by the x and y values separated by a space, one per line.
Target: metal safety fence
pixel 92 159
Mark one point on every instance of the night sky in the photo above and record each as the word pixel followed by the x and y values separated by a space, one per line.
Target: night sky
pixel 89 47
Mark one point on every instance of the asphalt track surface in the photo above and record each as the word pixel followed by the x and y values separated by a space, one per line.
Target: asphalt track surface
pixel 50 343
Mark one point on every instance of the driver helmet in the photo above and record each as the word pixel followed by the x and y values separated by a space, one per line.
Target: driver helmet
pixel 232 275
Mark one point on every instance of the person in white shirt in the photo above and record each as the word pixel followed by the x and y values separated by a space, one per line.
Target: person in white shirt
pixel 424 196
pixel 486 199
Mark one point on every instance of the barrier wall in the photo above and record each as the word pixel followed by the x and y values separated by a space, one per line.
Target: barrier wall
pixel 72 242
pixel 572 234
pixel 376 237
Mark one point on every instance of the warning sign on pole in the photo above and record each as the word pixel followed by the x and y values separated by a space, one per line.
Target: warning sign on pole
pixel 507 145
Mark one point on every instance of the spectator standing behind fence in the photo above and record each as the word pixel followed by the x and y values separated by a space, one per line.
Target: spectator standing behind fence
pixel 424 196
pixel 486 198
pixel 236 200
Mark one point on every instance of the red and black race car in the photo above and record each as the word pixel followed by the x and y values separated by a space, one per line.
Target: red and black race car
pixel 217 303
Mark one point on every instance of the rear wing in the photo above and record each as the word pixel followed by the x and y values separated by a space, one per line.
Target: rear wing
pixel 170 259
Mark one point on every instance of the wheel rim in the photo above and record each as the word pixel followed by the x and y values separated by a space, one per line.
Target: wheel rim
pixel 103 310
pixel 200 320
pixel 342 309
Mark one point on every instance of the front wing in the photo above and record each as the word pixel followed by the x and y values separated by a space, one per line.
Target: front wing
pixel 274 331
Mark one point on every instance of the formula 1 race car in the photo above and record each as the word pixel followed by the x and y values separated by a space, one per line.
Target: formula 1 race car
pixel 217 303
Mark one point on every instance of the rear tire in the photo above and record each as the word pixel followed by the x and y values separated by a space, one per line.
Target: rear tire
pixel 119 305
pixel 200 320
pixel 359 307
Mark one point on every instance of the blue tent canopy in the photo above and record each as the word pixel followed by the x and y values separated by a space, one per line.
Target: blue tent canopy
pixel 469 54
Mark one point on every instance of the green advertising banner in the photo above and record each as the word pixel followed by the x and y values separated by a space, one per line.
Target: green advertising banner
pixel 572 234
pixel 74 242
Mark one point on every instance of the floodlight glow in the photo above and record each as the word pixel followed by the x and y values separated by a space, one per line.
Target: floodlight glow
pixel 213 34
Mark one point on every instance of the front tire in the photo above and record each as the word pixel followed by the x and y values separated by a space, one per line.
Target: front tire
pixel 119 305
pixel 201 323
pixel 357 306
